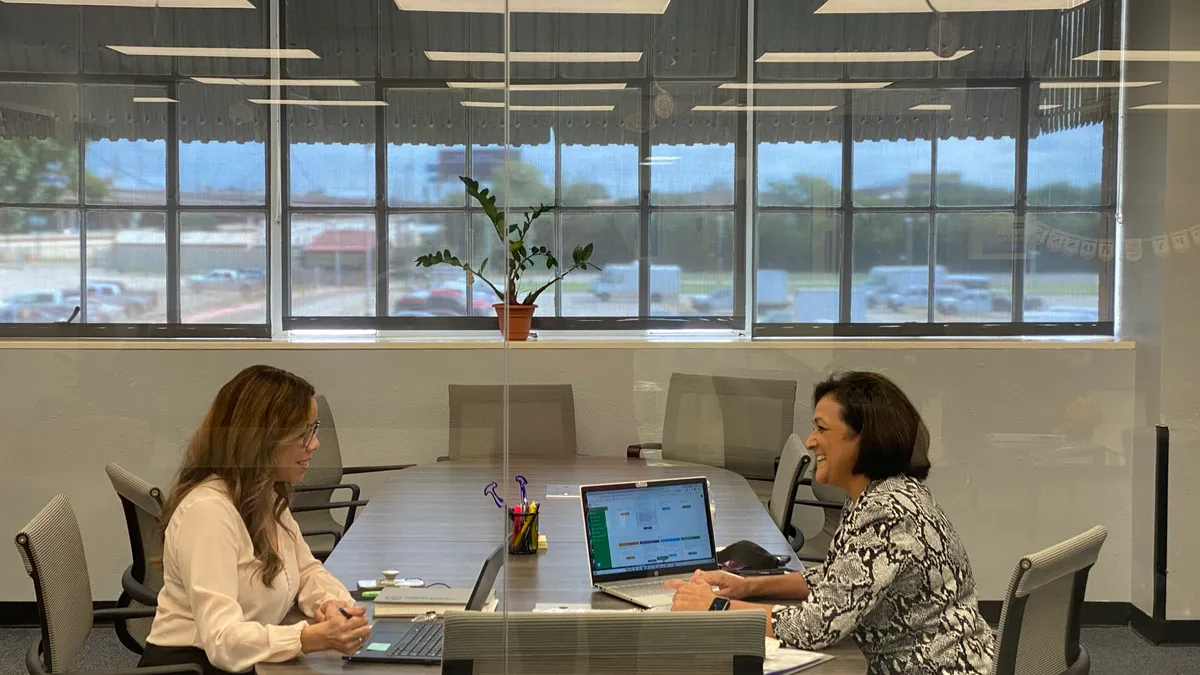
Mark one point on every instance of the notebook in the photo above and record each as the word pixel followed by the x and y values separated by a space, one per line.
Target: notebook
pixel 410 602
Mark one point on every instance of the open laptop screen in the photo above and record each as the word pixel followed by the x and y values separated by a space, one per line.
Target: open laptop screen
pixel 648 529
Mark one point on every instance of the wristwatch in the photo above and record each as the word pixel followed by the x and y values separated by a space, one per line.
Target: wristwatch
pixel 719 605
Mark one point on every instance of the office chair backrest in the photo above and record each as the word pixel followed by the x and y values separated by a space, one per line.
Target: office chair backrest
pixel 734 422
pixel 693 428
pixel 326 465
pixel 698 643
pixel 541 420
pixel 142 504
pixel 52 550
pixel 792 465
pixel 1039 622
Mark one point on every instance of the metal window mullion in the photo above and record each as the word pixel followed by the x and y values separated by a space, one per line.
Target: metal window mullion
pixel 382 273
pixel 1022 205
pixel 644 187
pixel 931 225
pixel 173 236
pixel 846 273
pixel 556 238
pixel 81 199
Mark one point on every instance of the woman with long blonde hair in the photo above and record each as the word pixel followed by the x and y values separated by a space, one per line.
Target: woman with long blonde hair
pixel 234 561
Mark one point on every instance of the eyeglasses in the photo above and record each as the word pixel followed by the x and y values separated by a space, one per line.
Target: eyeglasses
pixel 312 434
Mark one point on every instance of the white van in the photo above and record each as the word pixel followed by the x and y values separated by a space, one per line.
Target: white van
pixel 886 281
pixel 619 281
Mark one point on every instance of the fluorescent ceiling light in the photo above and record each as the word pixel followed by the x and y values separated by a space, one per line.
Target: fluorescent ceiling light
pixel 301 101
pixel 1095 85
pixel 1167 106
pixel 163 4
pixel 266 82
pixel 922 7
pixel 804 85
pixel 537 57
pixel 586 86
pixel 1183 55
pixel 153 99
pixel 538 108
pixel 1049 106
pixel 215 52
pixel 932 106
pixel 859 57
pixel 548 6
pixel 763 108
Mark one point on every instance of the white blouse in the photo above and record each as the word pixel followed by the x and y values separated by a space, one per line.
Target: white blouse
pixel 213 596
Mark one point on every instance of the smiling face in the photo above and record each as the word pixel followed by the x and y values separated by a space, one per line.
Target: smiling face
pixel 295 453
pixel 834 444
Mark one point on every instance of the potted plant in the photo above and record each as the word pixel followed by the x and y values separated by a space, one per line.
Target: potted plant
pixel 515 313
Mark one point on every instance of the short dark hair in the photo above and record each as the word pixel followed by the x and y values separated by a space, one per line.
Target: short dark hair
pixel 893 439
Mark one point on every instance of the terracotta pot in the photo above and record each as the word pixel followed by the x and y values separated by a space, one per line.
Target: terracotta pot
pixel 520 319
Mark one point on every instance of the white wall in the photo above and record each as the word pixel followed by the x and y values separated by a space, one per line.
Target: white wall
pixel 69 411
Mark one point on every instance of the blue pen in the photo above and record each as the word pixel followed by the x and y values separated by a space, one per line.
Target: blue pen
pixel 522 481
pixel 345 613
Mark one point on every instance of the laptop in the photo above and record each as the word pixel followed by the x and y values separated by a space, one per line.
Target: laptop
pixel 404 641
pixel 641 534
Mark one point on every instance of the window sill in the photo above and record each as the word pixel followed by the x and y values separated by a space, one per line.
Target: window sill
pixel 321 340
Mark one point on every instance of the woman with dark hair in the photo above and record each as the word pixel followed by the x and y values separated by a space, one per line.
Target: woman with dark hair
pixel 896 577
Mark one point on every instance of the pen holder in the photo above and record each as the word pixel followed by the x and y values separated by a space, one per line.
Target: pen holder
pixel 522 532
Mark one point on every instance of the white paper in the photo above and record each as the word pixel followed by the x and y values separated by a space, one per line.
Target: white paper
pixel 781 661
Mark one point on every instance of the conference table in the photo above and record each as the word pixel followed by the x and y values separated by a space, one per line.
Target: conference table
pixel 435 523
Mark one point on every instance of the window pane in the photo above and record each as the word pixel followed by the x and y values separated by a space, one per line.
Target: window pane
pixel 692 153
pixel 41 39
pixel 975 266
pixel 222 159
pixel 599 155
pixel 126 158
pixel 222 267
pixel 977 161
pixel 433 291
pixel 530 178
pixel 1064 255
pixel 39 144
pixel 691 254
pixel 332 265
pixel 486 244
pixel 800 173
pixel 891 268
pixel 613 290
pixel 126 267
pixel 1066 167
pixel 799 262
pixel 39 265
pixel 427 137
pixel 892 150
pixel 331 151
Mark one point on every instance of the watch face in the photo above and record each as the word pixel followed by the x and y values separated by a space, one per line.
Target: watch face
pixel 719 605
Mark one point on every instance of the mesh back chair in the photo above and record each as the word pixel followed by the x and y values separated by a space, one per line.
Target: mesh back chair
pixel 142 580
pixel 648 643
pixel 541 420
pixel 313 503
pixel 1039 623
pixel 789 467
pixel 733 422
pixel 52 550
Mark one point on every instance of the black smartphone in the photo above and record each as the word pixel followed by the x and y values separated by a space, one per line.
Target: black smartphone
pixel 764 573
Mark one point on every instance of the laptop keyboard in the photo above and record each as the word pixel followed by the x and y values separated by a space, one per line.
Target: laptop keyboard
pixel 650 587
pixel 425 639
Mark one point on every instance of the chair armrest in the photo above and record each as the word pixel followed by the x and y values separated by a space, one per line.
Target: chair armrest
pixel 810 558
pixel 776 464
pixel 337 536
pixel 137 590
pixel 121 614
pixel 375 468
pixel 352 487
pixel 333 505
pixel 444 458
pixel 33 663
pixel 635 451
pixel 832 506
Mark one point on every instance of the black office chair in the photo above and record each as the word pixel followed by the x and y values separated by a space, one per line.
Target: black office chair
pixel 142 580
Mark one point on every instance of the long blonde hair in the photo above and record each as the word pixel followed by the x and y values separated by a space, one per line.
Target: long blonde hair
pixel 254 414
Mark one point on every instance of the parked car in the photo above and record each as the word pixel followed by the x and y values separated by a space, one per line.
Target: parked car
pixel 1002 302
pixel 619 281
pixel 965 302
pixel 885 282
pixel 99 310
pixel 132 303
pixel 1064 314
pixel 771 293
pixel 222 280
